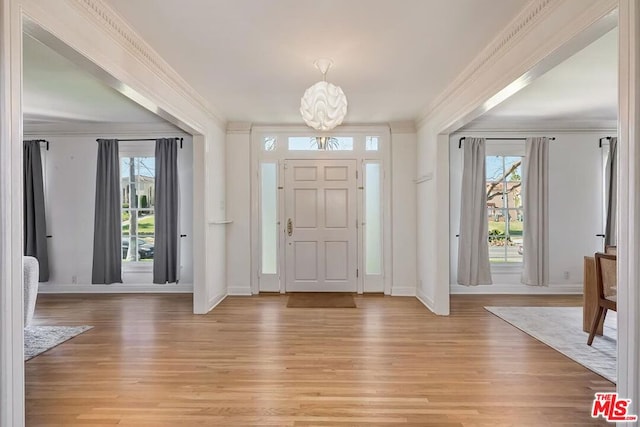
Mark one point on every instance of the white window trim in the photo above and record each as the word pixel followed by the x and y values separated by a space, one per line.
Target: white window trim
pixel 604 153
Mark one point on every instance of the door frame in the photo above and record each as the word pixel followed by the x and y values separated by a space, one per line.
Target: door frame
pixel 101 43
pixel 279 155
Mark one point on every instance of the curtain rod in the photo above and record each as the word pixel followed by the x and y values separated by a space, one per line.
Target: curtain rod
pixel 608 138
pixel 40 140
pixel 553 138
pixel 144 139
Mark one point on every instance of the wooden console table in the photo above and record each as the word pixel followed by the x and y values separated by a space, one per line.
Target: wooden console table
pixel 590 292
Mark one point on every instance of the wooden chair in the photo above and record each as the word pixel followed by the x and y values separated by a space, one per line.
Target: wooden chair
pixel 610 249
pixel 607 290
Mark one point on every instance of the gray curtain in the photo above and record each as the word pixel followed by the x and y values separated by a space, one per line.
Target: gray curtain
pixel 107 238
pixel 611 176
pixel 473 249
pixel 165 258
pixel 536 212
pixel 35 228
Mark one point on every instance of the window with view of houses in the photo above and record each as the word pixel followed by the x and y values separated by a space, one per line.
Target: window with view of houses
pixel 504 206
pixel 137 187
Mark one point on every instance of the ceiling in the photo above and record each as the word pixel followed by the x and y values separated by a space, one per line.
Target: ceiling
pixel 579 93
pixel 57 91
pixel 253 60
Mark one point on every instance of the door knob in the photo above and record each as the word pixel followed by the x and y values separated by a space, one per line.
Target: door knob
pixel 289 227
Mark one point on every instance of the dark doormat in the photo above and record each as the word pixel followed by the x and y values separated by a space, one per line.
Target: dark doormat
pixel 321 300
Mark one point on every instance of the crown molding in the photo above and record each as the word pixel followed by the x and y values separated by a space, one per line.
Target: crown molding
pixel 306 130
pixel 402 127
pixel 520 53
pixel 239 127
pixel 104 16
pixel 542 126
pixel 102 129
pixel 504 41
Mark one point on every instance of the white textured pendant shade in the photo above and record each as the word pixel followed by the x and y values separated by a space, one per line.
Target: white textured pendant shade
pixel 324 105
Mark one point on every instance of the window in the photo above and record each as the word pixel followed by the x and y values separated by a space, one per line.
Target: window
pixel 504 208
pixel 268 217
pixel 373 219
pixel 606 146
pixel 312 143
pixel 137 189
pixel 269 143
pixel 371 143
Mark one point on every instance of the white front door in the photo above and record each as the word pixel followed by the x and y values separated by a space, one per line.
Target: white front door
pixel 320 225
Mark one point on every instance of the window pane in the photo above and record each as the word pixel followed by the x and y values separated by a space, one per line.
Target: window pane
pixel 371 143
pixel 514 231
pixel 124 181
pixel 145 248
pixel 146 223
pixel 269 143
pixel 373 219
pixel 495 168
pixel 268 211
pixel 341 143
pixel 513 168
pixel 312 143
pixel 137 248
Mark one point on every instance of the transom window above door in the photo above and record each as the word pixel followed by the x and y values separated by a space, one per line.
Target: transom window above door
pixel 311 143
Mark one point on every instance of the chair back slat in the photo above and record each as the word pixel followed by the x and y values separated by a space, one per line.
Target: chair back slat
pixel 606 275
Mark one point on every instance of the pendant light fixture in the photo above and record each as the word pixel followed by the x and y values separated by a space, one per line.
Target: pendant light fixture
pixel 323 105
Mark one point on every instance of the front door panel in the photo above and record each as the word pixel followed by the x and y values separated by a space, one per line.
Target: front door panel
pixel 321 243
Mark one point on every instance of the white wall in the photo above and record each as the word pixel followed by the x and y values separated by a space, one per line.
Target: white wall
pixel 70 173
pixel 403 210
pixel 575 212
pixel 427 221
pixel 239 248
pixel 401 173
pixel 215 253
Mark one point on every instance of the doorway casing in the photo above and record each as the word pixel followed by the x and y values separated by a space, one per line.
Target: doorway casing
pixel 89 34
pixel 274 282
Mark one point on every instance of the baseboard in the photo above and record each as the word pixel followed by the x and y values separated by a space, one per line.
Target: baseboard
pixel 426 301
pixel 403 291
pixel 116 288
pixel 239 291
pixel 518 289
pixel 214 301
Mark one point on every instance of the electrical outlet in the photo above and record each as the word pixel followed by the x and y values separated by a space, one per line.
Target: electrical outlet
pixel 566 275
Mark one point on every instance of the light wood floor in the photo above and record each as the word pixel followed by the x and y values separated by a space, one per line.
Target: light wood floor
pixel 254 362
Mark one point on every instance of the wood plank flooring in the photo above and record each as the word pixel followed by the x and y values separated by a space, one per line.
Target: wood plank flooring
pixel 254 362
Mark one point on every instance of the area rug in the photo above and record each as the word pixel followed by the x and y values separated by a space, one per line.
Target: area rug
pixel 38 339
pixel 561 329
pixel 321 300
